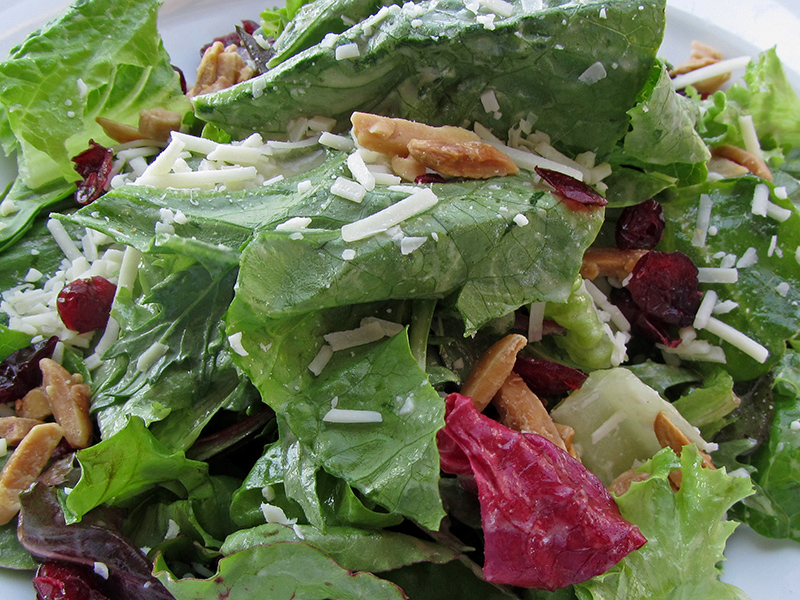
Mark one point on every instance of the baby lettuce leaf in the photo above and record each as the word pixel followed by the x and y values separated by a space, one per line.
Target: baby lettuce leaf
pixel 120 61
pixel 774 511
pixel 13 555
pixel 574 68
pixel 686 532
pixel 30 205
pixel 127 464
pixel 352 548
pixel 282 570
pixel 763 313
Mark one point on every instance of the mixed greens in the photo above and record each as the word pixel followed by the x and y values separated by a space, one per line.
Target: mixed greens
pixel 219 470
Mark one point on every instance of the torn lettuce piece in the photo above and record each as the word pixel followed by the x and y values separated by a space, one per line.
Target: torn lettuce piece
pixel 575 68
pixel 63 76
pixel 767 291
pixel 709 406
pixel 282 570
pixel 774 511
pixel 613 414
pixel 686 532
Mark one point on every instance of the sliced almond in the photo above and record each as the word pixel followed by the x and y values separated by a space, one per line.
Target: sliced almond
pixel 407 167
pixel 14 429
pixel 702 55
pixel 119 132
pixel 391 136
pixel 474 160
pixel 157 123
pixel 521 410
pixel 25 465
pixel 69 399
pixel 609 262
pixel 34 405
pixel 567 434
pixel 623 482
pixel 492 369
pixel 726 168
pixel 742 157
pixel 669 435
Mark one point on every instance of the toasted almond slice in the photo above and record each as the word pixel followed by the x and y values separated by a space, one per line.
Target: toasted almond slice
pixel 407 167
pixel 669 435
pixel 702 55
pixel 69 399
pixel 567 434
pixel 157 123
pixel 474 160
pixel 520 409
pixel 609 262
pixel 391 136
pixel 623 482
pixel 726 168
pixel 742 157
pixel 492 369
pixel 34 405
pixel 119 132
pixel 25 465
pixel 13 429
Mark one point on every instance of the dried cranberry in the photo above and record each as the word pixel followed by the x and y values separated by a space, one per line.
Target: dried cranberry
pixel 429 178
pixel 664 285
pixel 56 580
pixel 570 189
pixel 94 165
pixel 182 78
pixel 84 304
pixel 640 226
pixel 20 373
pixel 546 378
pixel 644 325
pixel 232 37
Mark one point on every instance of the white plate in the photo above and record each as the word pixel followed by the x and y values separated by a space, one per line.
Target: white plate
pixel 765 569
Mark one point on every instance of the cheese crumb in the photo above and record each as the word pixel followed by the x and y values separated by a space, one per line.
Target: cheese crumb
pixel 347 51
pixel 235 341
pixel 593 74
pixel 521 220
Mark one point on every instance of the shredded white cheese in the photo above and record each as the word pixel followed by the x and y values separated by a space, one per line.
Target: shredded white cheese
pixel 750 136
pixel 390 216
pixel 349 338
pixel 341 415
pixel 536 321
pixel 337 142
pixel 320 361
pixel 703 220
pixel 294 224
pixel 150 356
pixel 748 259
pixel 235 341
pixel 593 74
pixel 760 200
pixel 717 275
pixel 705 309
pixel 349 190
pixel 720 68
pixel 347 51
pixel 736 338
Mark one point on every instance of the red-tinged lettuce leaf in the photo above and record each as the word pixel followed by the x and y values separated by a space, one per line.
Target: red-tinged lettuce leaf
pixel 44 533
pixel 547 521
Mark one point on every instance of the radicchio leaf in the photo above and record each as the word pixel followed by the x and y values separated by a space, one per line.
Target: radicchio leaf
pixel 547 522
pixel 43 531
pixel 94 165
pixel 20 373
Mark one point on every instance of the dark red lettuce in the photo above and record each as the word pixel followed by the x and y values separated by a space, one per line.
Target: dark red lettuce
pixel 20 372
pixel 547 522
pixel 547 378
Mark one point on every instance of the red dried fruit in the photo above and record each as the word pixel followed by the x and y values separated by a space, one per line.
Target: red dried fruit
pixel 570 189
pixel 56 580
pixel 664 286
pixel 547 521
pixel 429 178
pixel 84 304
pixel 94 165
pixel 232 37
pixel 640 227
pixel 182 78
pixel 20 373
pixel 547 378
pixel 643 325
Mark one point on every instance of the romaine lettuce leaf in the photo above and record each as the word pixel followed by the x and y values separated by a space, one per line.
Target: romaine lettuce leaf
pixel 686 532
pixel 60 78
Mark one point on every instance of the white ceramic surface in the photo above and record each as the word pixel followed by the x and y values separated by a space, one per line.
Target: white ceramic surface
pixel 765 569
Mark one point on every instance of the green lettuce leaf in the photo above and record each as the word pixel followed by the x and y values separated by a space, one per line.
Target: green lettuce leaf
pixel 762 313
pixel 774 511
pixel 686 532
pixel 60 78
pixel 575 68
pixel 285 570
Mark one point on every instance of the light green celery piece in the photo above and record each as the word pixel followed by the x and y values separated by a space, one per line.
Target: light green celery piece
pixel 685 530
pixel 767 292
pixel 586 340
pixel 613 414
pixel 707 407
pixel 281 571
pixel 574 70
pixel 355 549
pixel 100 58
pixel 127 464
pixel 775 509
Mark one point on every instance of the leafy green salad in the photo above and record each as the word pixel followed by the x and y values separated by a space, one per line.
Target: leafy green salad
pixel 346 355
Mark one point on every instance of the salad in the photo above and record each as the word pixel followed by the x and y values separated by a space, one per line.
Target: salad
pixel 437 298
